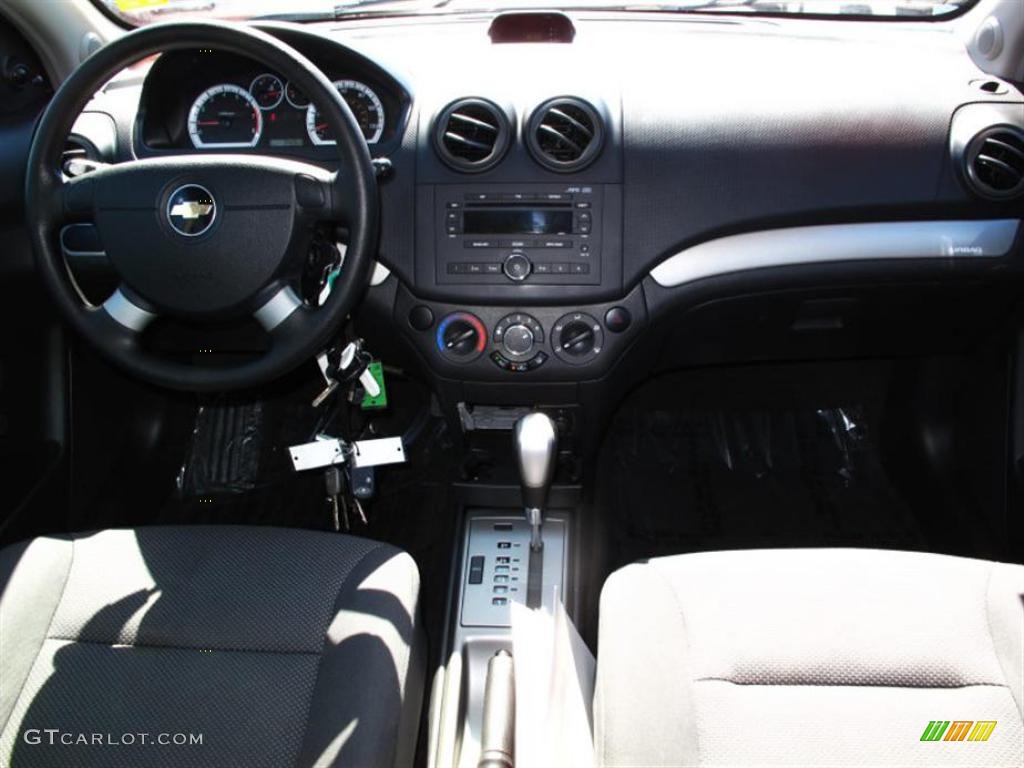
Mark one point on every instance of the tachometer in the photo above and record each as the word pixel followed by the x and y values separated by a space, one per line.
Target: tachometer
pixel 225 116
pixel 365 105
pixel 268 90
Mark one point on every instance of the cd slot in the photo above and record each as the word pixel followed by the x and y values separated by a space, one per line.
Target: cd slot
pixel 519 205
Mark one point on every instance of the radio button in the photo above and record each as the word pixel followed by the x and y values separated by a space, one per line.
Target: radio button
pixel 560 269
pixel 542 269
pixel 556 243
pixel 492 268
pixel 479 244
pixel 517 267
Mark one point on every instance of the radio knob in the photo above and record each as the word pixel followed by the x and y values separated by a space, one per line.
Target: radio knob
pixel 518 340
pixel 517 267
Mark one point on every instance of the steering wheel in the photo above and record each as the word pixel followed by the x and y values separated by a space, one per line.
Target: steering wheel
pixel 204 238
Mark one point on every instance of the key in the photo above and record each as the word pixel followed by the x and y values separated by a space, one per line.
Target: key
pixel 344 513
pixel 324 394
pixel 333 481
pixel 360 511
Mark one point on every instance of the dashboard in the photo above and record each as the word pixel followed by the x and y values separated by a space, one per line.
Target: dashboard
pixel 551 205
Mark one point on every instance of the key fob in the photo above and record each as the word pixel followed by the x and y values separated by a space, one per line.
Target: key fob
pixel 364 482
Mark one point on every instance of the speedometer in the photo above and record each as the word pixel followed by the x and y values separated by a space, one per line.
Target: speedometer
pixel 225 116
pixel 366 106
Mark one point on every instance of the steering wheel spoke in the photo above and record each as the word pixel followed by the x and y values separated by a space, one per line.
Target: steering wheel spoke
pixel 278 308
pixel 127 312
pixel 72 200
pixel 326 196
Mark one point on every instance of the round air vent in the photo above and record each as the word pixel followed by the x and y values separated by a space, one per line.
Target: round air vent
pixel 994 163
pixel 472 134
pixel 80 156
pixel 565 134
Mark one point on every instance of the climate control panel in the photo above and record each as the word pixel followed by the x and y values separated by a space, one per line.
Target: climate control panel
pixel 483 343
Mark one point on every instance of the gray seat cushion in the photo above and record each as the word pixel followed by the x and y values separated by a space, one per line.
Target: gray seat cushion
pixel 274 647
pixel 810 658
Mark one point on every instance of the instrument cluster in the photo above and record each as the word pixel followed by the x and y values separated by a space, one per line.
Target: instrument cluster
pixel 222 102
pixel 227 116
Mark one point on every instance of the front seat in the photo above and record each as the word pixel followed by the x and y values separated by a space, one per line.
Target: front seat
pixel 811 658
pixel 208 646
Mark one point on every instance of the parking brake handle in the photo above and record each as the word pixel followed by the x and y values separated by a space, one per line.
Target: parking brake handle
pixel 497 738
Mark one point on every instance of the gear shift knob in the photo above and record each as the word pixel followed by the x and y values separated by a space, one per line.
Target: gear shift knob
pixel 536 447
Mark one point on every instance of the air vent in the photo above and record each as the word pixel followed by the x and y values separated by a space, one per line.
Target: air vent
pixel 995 163
pixel 76 149
pixel 78 157
pixel 565 134
pixel 472 134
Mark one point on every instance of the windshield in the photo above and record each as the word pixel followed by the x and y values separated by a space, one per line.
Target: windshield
pixel 137 12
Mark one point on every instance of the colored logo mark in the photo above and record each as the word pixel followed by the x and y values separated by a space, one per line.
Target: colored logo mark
pixel 958 730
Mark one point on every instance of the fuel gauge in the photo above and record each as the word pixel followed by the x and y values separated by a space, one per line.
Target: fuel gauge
pixel 268 90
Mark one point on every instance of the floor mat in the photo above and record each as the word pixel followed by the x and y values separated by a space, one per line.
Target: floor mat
pixel 690 469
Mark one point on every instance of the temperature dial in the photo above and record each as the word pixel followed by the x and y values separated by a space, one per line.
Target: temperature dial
pixel 577 338
pixel 461 336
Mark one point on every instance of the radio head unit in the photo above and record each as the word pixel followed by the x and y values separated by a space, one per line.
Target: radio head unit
pixel 512 233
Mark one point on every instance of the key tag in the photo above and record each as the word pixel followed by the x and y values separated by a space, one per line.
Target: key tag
pixel 375 394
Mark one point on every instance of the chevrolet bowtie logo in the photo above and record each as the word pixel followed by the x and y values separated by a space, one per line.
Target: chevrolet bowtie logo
pixel 191 210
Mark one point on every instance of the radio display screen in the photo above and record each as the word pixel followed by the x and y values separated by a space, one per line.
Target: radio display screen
pixel 517 221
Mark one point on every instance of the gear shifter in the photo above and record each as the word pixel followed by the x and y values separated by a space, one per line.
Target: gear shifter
pixel 536 446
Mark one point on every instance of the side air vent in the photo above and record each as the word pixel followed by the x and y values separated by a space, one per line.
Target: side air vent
pixel 472 135
pixel 565 134
pixel 76 149
pixel 995 163
pixel 78 157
